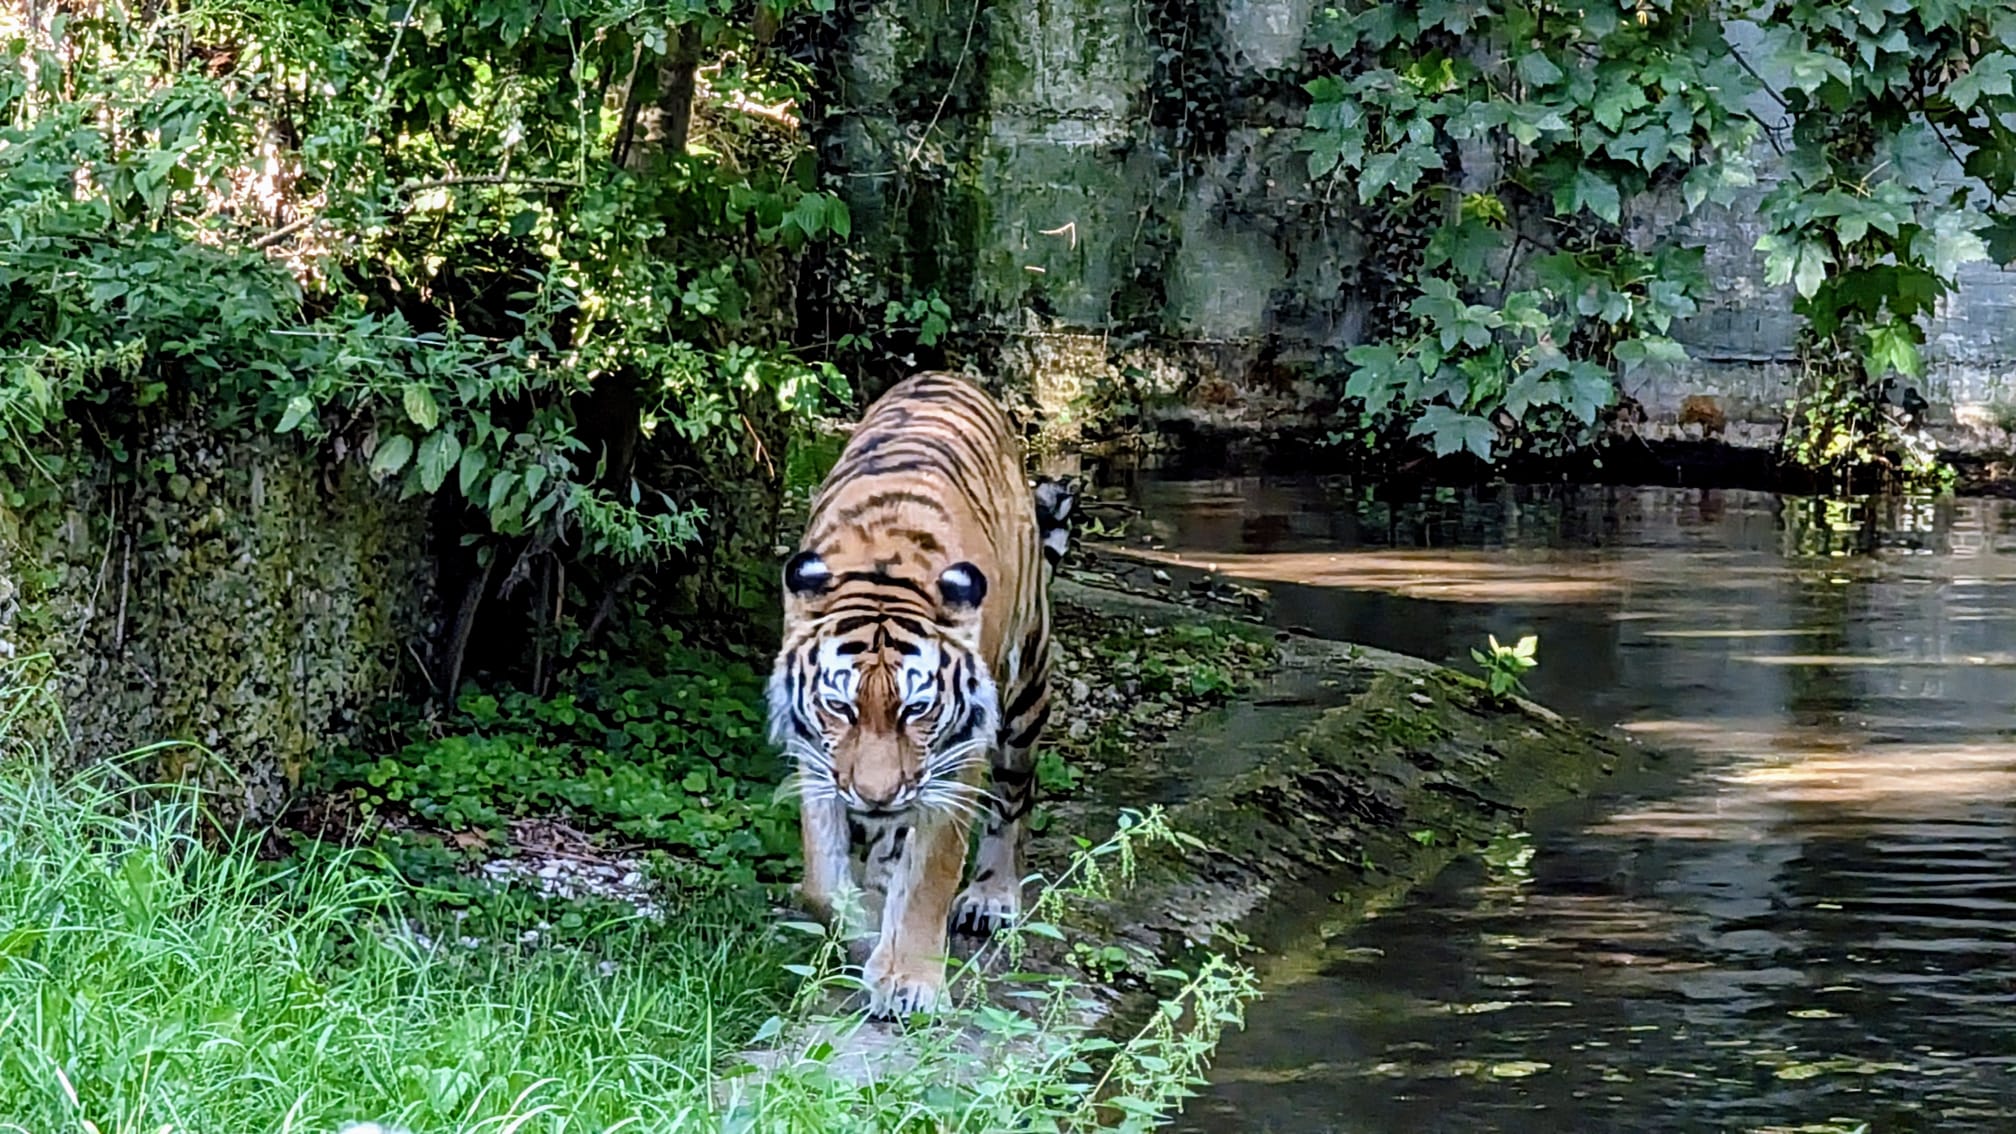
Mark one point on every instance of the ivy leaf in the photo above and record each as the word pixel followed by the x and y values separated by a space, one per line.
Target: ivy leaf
pixel 1990 75
pixel 1536 385
pixel 1324 155
pixel 298 408
pixel 839 221
pixel 438 454
pixel 1537 70
pixel 1466 246
pixel 1378 377
pixel 392 455
pixel 1587 390
pixel 1456 15
pixel 420 407
pixel 1614 101
pixel 1634 353
pixel 1893 348
pixel 1451 430
pixel 2000 239
pixel 1592 191
pixel 1790 50
pixel 1950 243
pixel 1802 263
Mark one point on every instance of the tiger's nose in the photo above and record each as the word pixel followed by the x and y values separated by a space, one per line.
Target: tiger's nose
pixel 878 793
pixel 878 798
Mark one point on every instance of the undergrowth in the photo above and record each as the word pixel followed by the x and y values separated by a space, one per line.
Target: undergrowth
pixel 153 977
pixel 156 980
pixel 665 747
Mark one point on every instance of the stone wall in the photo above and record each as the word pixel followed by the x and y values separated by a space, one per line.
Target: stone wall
pixel 242 597
pixel 1097 180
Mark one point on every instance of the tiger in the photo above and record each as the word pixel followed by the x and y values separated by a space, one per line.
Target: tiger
pixel 916 652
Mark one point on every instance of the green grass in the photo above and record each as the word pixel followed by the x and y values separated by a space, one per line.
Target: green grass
pixel 156 981
pixel 150 981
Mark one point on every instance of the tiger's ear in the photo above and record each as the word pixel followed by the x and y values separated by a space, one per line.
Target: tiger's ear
pixel 963 587
pixel 806 574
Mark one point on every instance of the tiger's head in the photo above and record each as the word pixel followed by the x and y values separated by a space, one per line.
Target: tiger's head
pixel 880 694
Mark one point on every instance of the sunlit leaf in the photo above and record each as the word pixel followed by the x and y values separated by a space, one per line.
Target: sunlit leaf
pixel 298 408
pixel 392 455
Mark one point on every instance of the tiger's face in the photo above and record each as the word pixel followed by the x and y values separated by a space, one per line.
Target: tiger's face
pixel 884 705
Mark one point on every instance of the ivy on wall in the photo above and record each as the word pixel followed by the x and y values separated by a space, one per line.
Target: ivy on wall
pixel 1565 145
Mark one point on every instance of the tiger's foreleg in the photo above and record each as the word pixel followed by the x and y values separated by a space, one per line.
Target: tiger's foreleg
pixel 829 890
pixel 915 864
pixel 994 898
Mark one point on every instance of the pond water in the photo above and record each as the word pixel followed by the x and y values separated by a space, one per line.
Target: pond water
pixel 1806 922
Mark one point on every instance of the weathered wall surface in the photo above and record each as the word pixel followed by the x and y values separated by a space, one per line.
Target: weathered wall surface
pixel 1119 179
pixel 241 596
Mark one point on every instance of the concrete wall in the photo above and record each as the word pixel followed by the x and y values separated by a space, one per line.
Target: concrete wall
pixel 241 596
pixel 1093 179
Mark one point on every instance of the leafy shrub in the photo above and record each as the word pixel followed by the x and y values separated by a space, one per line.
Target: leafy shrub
pixel 422 239
pixel 667 747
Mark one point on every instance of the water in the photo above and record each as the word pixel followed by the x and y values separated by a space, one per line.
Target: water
pixel 1807 924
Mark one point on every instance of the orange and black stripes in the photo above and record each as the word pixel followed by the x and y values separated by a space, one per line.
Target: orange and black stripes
pixel 922 584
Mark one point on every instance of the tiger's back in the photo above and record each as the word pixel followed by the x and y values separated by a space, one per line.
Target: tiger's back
pixel 916 652
pixel 933 476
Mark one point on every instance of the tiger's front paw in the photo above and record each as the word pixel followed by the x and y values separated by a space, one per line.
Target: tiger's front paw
pixel 986 908
pixel 897 989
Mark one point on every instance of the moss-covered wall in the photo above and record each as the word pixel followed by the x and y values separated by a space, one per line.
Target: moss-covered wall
pixel 240 595
pixel 1111 191
pixel 1097 187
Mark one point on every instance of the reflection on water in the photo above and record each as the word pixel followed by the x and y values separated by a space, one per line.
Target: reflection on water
pixel 1810 926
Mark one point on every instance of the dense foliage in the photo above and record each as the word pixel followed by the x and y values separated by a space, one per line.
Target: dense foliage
pixel 1558 150
pixel 433 235
pixel 664 746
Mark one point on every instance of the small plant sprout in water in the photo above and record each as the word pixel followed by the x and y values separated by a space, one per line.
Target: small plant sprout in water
pixel 1505 666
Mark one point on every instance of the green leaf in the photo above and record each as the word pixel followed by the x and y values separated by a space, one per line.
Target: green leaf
pixel 1378 374
pixel 1587 390
pixel 1893 349
pixel 1633 353
pixel 420 407
pixel 1989 76
pixel 1537 70
pixel 392 455
pixel 2000 239
pixel 1950 243
pixel 1450 430
pixel 438 454
pixel 1802 263
pixel 1614 101
pixel 474 462
pixel 298 408
pixel 1589 190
